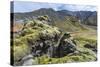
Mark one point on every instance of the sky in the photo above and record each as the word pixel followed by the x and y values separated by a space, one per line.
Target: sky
pixel 23 6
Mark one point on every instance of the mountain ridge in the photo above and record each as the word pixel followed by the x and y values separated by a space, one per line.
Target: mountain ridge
pixel 64 19
pixel 83 16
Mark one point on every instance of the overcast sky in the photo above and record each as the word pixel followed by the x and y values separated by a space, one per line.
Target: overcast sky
pixel 23 6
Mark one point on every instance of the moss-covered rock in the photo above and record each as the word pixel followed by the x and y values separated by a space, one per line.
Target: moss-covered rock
pixel 49 44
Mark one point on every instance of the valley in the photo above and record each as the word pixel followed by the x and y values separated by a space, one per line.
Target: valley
pixel 46 36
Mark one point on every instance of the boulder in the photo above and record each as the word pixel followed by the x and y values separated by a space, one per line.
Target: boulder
pixel 91 46
pixel 62 48
pixel 28 60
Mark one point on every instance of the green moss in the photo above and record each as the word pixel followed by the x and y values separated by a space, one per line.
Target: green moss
pixel 34 30
pixel 81 41
pixel 84 56
pixel 20 51
pixel 86 39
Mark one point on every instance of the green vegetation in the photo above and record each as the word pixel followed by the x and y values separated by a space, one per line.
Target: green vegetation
pixel 35 29
pixel 83 41
pixel 32 32
pixel 71 26
pixel 86 55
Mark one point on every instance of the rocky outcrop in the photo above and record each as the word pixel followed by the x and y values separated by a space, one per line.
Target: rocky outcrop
pixel 54 47
pixel 38 38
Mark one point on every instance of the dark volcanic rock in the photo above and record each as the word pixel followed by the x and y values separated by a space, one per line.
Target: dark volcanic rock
pixel 64 47
pixel 61 48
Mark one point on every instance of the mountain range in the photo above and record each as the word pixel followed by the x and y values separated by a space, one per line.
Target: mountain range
pixel 85 17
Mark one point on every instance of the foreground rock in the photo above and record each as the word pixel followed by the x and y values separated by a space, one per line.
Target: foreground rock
pixel 29 60
pixel 92 47
pixel 63 47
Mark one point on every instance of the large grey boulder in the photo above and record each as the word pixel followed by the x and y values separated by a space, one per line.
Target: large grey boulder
pixel 29 60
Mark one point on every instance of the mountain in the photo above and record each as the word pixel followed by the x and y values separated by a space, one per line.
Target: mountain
pixel 86 17
pixel 92 20
pixel 64 19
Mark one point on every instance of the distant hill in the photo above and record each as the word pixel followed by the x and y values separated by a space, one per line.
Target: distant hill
pixel 86 17
pixel 64 19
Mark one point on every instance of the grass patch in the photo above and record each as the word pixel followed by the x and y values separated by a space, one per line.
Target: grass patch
pixel 81 41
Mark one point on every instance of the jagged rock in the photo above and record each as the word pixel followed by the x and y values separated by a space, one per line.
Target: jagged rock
pixel 91 46
pixel 62 48
pixel 44 19
pixel 28 60
pixel 53 48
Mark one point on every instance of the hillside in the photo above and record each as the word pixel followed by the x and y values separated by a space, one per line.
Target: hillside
pixel 85 17
pixel 38 42
pixel 46 36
